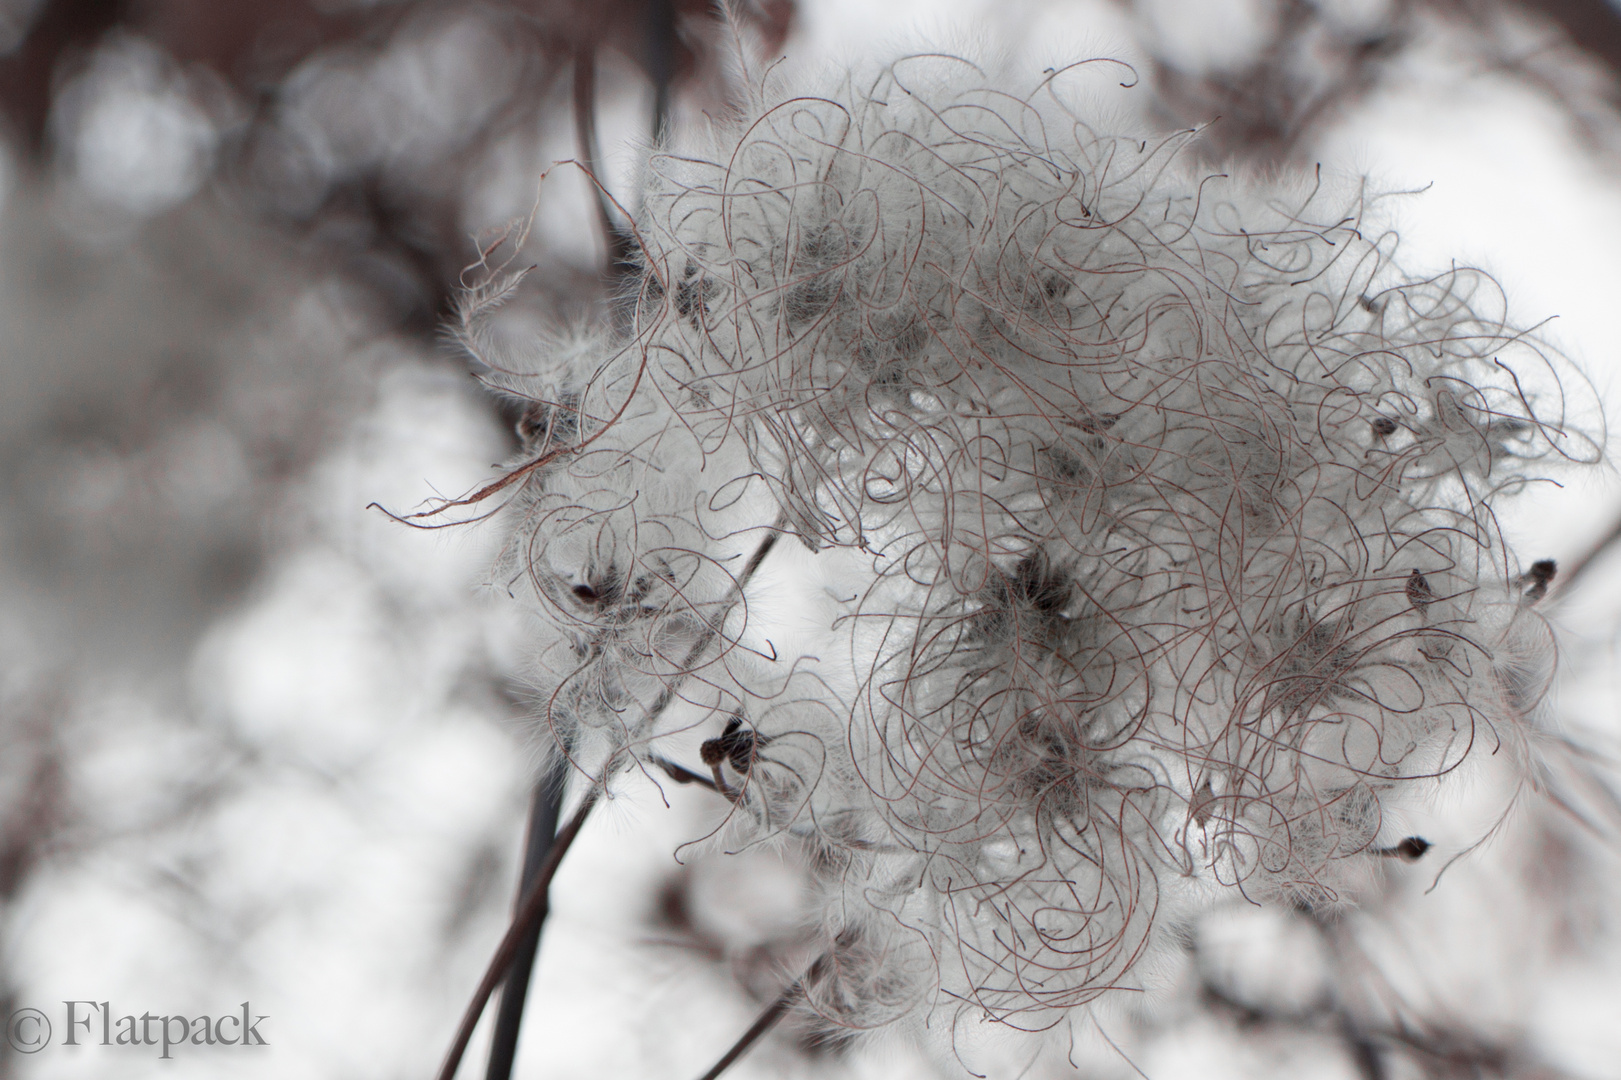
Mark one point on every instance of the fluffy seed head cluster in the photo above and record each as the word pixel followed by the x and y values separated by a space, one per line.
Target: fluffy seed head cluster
pixel 1136 527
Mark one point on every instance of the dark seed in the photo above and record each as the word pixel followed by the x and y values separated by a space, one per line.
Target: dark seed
pixel 1409 850
pixel 736 744
pixel 1541 576
pixel 1419 593
pixel 1412 849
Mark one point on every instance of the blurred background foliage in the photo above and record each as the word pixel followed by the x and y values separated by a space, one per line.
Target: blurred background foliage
pixel 257 742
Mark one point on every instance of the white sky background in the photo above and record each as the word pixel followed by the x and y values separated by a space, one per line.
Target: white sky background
pixel 321 886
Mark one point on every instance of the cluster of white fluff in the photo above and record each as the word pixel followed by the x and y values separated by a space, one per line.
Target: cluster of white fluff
pixel 1137 537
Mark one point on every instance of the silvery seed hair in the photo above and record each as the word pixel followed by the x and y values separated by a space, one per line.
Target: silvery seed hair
pixel 1138 536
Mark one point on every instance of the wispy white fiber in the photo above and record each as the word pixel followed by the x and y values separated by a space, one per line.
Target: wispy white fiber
pixel 1136 526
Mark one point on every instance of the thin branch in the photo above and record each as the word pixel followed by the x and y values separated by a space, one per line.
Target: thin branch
pixel 529 917
pixel 1577 567
pixel 544 810
pixel 533 910
pixel 681 774
pixel 765 1022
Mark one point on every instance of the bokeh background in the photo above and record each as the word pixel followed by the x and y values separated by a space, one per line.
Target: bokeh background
pixel 260 742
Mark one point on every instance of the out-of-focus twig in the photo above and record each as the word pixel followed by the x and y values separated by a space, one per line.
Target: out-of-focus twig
pixel 1571 571
pixel 615 238
pixel 1594 26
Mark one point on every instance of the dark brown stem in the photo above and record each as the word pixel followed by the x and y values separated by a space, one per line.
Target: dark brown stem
pixel 681 774
pixel 529 916
pixel 533 910
pixel 766 1021
pixel 544 808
